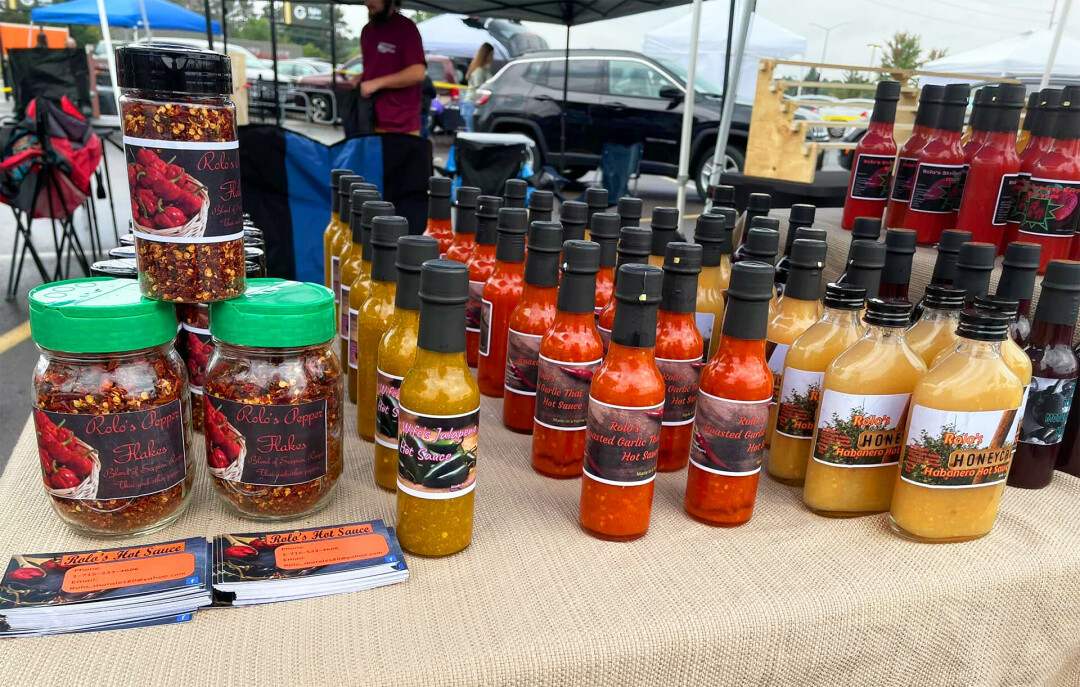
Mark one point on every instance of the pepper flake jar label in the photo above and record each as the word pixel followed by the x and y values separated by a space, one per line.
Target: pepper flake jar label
pixel 437 454
pixel 958 450
pixel 622 443
pixel 729 435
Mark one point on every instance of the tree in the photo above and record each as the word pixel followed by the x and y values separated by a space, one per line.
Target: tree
pixel 902 51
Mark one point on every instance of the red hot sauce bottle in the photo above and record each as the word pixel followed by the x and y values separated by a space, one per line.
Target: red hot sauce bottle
pixel 868 188
pixel 529 321
pixel 481 264
pixel 1043 120
pixel 899 253
pixel 439 226
pixel 733 406
pixel 604 230
pixel 570 354
pixel 908 158
pixel 633 249
pixel 464 225
pixel 1017 282
pixel 626 404
pixel 501 295
pixel 679 351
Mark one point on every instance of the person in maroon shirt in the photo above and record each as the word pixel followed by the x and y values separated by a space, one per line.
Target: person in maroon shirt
pixel 394 67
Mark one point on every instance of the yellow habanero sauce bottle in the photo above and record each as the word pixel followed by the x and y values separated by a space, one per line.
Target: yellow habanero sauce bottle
pixel 332 229
pixel 340 241
pixel 356 275
pixel 935 331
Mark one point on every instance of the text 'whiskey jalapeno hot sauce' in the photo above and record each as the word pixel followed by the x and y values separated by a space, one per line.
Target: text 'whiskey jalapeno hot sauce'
pixel 481 264
pixel 871 168
pixel 438 421
pixel 528 323
pixel 397 350
pixel 604 230
pixel 633 249
pixel 464 225
pixel 439 226
pixel 679 351
pixel 626 405
pixel 570 354
pixel 501 295
pixel 733 406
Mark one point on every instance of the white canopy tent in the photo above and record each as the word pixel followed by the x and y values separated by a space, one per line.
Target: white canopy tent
pixel 448 34
pixel 1023 56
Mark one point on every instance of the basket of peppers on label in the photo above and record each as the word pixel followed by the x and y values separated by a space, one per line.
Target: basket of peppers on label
pixel 165 199
pixel 70 466
pixel 228 448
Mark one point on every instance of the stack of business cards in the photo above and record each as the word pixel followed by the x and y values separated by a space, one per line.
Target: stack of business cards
pixel 257 568
pixel 106 589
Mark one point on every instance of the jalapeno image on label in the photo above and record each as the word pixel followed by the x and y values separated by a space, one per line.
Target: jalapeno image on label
pixel 437 454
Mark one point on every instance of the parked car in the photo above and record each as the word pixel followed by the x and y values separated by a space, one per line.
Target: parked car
pixel 613 96
pixel 291 70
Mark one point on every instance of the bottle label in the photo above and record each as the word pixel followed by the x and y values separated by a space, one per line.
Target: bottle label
pixel 485 327
pixel 935 188
pixel 681 389
pixel 1005 198
pixel 354 344
pixel 705 322
pixel 112 456
pixel 871 177
pixel 860 430
pixel 904 181
pixel 1019 204
pixel 776 354
pixel 387 408
pixel 605 336
pixel 562 393
pixel 956 192
pixel 947 449
pixel 1048 404
pixel 343 311
pixel 729 436
pixel 799 398
pixel 185 191
pixel 622 443
pixel 437 454
pixel 195 346
pixel 472 306
pixel 522 360
pixel 270 445
pixel 1052 207
pixel 335 277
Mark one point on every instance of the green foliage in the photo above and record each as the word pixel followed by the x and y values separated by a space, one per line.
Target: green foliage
pixel 805 402
pixel 846 429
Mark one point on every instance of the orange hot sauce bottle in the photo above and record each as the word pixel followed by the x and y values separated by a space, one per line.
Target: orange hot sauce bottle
pixel 679 351
pixel 439 226
pixel 733 406
pixel 633 249
pixel 626 404
pixel 570 354
pixel 604 230
pixel 481 264
pixel 502 293
pixel 529 322
pixel 461 248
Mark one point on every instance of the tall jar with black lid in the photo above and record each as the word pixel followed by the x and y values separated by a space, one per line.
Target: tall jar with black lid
pixel 183 166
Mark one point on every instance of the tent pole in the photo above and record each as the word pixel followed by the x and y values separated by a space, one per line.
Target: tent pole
pixel 733 68
pixel 688 111
pixel 333 55
pixel 110 58
pixel 209 24
pixel 146 20
pixel 224 29
pixel 1055 44
pixel 273 51
pixel 565 86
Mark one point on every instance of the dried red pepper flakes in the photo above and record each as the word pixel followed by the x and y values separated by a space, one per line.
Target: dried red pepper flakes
pixel 273 400
pixel 111 407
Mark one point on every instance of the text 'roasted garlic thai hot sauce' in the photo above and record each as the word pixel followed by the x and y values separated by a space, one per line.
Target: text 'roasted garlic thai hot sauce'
pixel 679 352
pixel 626 404
pixel 604 230
pixel 871 166
pixel 356 278
pixel 633 248
pixel 501 295
pixel 713 233
pixel 1017 281
pixel 438 421
pixel 570 354
pixel 464 225
pixel 481 264
pixel 439 225
pixel 733 406
pixel 528 323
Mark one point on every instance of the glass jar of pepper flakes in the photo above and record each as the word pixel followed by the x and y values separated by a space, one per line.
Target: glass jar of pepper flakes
pixel 111 407
pixel 273 398
pixel 183 163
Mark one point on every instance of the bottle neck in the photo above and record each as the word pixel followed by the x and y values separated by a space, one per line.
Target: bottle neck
pixel 442 327
pixel 678 293
pixel 577 293
pixel 540 295
pixel 1051 334
pixel 542 268
pixel 745 319
pixel 803 283
pixel 574 320
pixel 944 268
pixel 1000 140
pixel 972 348
pixel 465 222
pixel 882 129
pixel 940 314
pixel 733 349
pixel 635 324
pixel 619 352
pixel 506 268
pixel 841 317
pixel 510 248
pixel 487 232
pixel 429 359
pixel 890 336
pixel 438 207
pixel 382 264
pixel 608 251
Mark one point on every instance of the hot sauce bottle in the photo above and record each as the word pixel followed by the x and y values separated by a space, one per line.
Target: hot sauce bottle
pixel 908 157
pixel 334 227
pixel 990 186
pixel 866 260
pixel 501 295
pixel 515 193
pixel 604 230
pixel 796 310
pixel 397 350
pixel 596 198
pixel 438 421
pixel 342 239
pixel 570 353
pixel 939 172
pixel 960 438
pixel 733 406
pixel 528 323
pixel 861 417
pixel 864 229
pixel 573 215
pixel 1069 456
pixel 713 232
pixel 948 249
pixel 1052 205
pixel 464 225
pixel 541 204
pixel 679 351
pixel 804 370
pixel 375 316
pixel 1017 281
pixel 634 246
pixel 1025 130
pixel 975 133
pixel 899 253
pixel 868 188
pixel 1053 382
pixel 357 269
pixel 757 205
pixel 439 226
pixel 665 229
pixel 763 249
pixel 481 263
pixel 629 211
pixel 935 331
pixel 974 265
pixel 801 217
pixel 626 404
pixel 1043 122
pixel 1013 356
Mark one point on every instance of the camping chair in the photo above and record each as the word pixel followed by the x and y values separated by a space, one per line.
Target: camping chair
pixel 487 164
pixel 619 165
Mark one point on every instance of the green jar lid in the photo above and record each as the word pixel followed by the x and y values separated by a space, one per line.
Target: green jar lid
pixel 275 313
pixel 99 315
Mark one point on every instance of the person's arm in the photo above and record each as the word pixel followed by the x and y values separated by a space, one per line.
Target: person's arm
pixel 409 76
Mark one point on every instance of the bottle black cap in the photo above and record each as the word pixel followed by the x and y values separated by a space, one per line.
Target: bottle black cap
pixel 465 220
pixel 974 263
pixel 899 253
pixel 514 193
pixel 544 201
pixel 980 107
pixel 1018 270
pixel 729 217
pixel 665 226
pixel 762 243
pixel 121 268
pixel 573 215
pixel 929 105
pixel 412 251
pixel 812 233
pixel 545 237
pixel 605 231
pixel 1029 111
pixel 637 291
pixel 865 265
pixel 385 232
pixel 1046 112
pixel 489 206
pixel 807 262
pixel 1060 295
pixel 487 213
pixel 1067 126
pixel 944 297
pixel 345 183
pixel 723 196
pixel 356 203
pixel 514 220
pixel 468 196
pixel 444 290
pixel 713 236
pixel 512 225
pixel 802 215
pixel 439 190
pixel 596 198
pixel 868 228
pixel 634 244
pixel 998 304
pixel 954 106
pixel 844 296
pixel 629 208
pixel 1007 103
pixel 335 178
pixel 759 202
pixel 368 212
pixel 892 312
pixel 947 249
pixel 174 69
pixel 749 293
pixel 885 98
pixel 981 325
pixel 577 288
pixel 682 265
pixel 545 244
pixel 440 186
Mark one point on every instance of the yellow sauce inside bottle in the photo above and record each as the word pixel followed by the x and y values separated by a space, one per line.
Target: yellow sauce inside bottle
pixel 372 321
pixel 328 243
pixel 712 285
pixel 1011 353
pixel 397 351
pixel 358 295
pixel 792 318
pixel 933 333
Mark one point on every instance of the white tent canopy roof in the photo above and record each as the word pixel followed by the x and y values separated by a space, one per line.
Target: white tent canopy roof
pixel 1020 56
pixel 448 34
